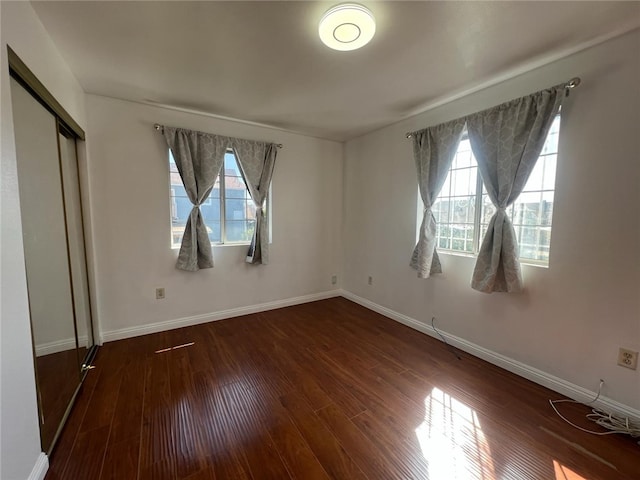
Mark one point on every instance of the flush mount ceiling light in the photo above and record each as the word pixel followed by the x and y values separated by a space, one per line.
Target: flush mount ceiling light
pixel 347 27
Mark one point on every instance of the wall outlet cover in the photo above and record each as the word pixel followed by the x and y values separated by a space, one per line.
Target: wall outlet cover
pixel 628 358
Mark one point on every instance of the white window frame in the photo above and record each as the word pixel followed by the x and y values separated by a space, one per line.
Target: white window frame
pixel 223 218
pixel 478 211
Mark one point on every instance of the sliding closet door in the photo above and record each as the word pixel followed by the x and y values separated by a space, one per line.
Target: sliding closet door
pixel 75 231
pixel 51 300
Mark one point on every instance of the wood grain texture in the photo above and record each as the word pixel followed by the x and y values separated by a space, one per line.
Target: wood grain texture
pixel 322 390
pixel 58 377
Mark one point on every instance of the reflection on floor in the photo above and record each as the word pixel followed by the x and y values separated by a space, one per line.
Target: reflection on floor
pixel 452 440
pixel 58 376
pixel 323 390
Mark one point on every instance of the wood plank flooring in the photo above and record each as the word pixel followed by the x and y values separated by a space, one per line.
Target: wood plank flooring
pixel 317 391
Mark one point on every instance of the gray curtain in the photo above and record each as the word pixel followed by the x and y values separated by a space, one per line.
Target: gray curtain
pixel 433 151
pixel 256 160
pixel 199 157
pixel 506 141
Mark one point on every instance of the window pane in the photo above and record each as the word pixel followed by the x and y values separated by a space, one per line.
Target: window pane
pixel 435 210
pixel 551 144
pixel 464 210
pixel 528 236
pixel 463 182
pixel 240 212
pixel 457 245
pixel 173 168
pixel 238 209
pixel 230 165
pixel 458 231
pixel 534 182
pixel 463 156
pixel 444 234
pixel 235 187
pixel 454 209
pixel 239 231
pixel 549 180
pixel 446 188
pixel 546 209
pixel 461 238
pixel 441 211
pixel 526 209
pixel 488 210
pixel 211 216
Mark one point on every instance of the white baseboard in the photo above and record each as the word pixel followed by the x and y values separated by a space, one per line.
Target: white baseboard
pixel 214 316
pixel 59 346
pixel 552 382
pixel 40 468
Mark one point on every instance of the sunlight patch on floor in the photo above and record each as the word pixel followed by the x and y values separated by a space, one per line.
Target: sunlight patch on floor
pixel 565 473
pixel 175 348
pixel 452 440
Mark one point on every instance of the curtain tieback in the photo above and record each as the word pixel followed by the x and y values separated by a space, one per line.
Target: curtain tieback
pixel 501 210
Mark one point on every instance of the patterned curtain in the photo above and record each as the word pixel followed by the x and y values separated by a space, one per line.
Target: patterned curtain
pixel 199 157
pixel 506 141
pixel 433 152
pixel 256 160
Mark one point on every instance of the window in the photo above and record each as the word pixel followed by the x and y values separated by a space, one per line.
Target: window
pixel 463 208
pixel 228 212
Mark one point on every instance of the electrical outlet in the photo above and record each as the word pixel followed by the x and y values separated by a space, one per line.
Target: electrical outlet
pixel 159 293
pixel 334 279
pixel 628 358
pixel 370 280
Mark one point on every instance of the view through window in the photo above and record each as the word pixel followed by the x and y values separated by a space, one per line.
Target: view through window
pixel 228 212
pixel 463 208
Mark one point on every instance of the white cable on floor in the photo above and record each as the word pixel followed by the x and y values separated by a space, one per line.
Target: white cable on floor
pixel 450 347
pixel 613 423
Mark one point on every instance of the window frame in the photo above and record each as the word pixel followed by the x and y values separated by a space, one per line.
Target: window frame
pixel 220 178
pixel 478 225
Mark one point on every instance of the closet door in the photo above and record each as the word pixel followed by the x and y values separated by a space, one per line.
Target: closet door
pixel 75 233
pixel 51 300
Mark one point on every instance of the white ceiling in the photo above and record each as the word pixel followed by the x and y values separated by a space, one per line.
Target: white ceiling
pixel 263 61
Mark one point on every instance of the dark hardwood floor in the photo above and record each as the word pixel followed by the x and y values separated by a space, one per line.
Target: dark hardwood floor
pixel 323 390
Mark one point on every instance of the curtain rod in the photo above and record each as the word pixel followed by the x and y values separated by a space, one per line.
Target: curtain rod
pixel 573 83
pixel 160 128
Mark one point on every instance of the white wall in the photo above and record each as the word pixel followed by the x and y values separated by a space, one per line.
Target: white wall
pixel 19 436
pixel 573 315
pixel 130 208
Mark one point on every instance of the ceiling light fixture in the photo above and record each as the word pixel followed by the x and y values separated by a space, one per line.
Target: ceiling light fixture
pixel 347 26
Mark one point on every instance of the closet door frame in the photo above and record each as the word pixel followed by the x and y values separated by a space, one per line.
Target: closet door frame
pixel 19 71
